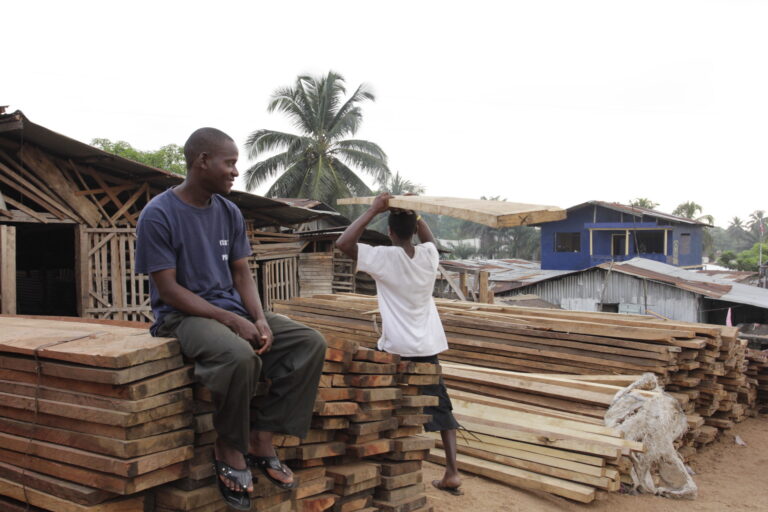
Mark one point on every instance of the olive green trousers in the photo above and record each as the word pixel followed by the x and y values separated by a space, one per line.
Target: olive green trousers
pixel 229 367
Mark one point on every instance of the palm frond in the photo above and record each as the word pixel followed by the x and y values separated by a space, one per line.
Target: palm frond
pixel 290 102
pixel 264 141
pixel 365 146
pixel 371 165
pixel 340 123
pixel 355 186
pixel 262 171
pixel 289 183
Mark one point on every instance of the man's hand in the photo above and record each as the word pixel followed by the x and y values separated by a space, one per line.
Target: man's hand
pixel 244 328
pixel 265 336
pixel 381 203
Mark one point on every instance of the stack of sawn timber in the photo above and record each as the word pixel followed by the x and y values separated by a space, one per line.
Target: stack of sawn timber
pixel 704 362
pixel 91 415
pixel 362 452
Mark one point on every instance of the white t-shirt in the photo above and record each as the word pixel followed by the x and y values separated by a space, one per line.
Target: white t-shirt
pixel 411 326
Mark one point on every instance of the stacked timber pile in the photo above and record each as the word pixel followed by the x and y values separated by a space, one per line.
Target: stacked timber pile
pixel 91 415
pixel 705 363
pixel 758 372
pixel 357 442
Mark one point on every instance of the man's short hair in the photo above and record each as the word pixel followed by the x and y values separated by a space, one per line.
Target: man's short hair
pixel 203 140
pixel 403 224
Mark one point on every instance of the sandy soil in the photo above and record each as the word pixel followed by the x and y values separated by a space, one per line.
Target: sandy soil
pixel 730 478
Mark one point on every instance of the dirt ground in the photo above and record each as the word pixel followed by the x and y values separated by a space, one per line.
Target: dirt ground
pixel 729 477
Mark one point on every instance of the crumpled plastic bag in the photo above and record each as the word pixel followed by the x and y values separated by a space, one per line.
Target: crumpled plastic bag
pixel 656 421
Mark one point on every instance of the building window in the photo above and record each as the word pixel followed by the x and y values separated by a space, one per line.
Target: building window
pixel 685 243
pixel 567 242
pixel 650 242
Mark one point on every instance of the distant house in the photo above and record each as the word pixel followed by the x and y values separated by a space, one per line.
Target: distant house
pixel 597 232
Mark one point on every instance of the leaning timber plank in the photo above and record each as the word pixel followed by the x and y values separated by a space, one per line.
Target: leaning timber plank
pixel 518 477
pixel 599 481
pixel 517 406
pixel 99 444
pixel 573 443
pixel 560 404
pixel 545 454
pixel 60 488
pixel 91 374
pixel 49 502
pixel 152 427
pixel 489 412
pixel 121 467
pixel 97 401
pixel 547 431
pixel 137 390
pixel 46 169
pixel 496 214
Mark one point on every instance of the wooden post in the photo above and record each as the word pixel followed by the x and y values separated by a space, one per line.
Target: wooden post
pixel 8 270
pixel 82 269
pixel 485 292
pixel 463 283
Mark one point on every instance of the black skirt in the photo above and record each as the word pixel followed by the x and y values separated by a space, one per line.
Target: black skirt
pixel 442 413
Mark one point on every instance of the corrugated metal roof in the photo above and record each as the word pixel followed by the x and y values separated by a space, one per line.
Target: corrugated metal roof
pixel 736 276
pixel 263 211
pixel 506 274
pixel 636 210
pixel 706 285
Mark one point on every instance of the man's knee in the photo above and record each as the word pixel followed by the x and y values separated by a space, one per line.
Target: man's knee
pixel 315 342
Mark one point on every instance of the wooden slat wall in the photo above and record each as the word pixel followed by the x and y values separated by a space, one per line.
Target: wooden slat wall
pixel 315 273
pixel 112 288
pixel 8 270
pixel 280 281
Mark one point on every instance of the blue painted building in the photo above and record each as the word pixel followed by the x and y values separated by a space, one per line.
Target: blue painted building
pixel 596 232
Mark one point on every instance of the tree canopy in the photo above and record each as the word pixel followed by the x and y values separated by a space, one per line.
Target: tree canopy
pixel 320 162
pixel 169 157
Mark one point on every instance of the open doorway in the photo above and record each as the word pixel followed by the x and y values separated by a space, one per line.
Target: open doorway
pixel 45 269
pixel 618 245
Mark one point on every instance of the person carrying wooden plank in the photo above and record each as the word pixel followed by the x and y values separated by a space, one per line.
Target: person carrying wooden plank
pixel 411 327
pixel 192 242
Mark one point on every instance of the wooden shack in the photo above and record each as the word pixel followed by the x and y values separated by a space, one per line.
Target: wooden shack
pixel 68 215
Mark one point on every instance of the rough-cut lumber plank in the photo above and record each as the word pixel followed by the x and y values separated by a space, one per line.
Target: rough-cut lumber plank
pixel 519 477
pixel 496 214
pixel 92 374
pixel 49 502
pixel 59 488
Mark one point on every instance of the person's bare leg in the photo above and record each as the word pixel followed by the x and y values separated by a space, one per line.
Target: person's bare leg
pixel 261 445
pixel 451 478
pixel 233 458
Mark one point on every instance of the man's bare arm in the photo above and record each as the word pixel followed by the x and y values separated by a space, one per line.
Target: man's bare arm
pixel 347 242
pixel 249 293
pixel 424 233
pixel 189 303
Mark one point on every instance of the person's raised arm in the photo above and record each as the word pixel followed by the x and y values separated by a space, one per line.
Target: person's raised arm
pixel 424 233
pixel 189 303
pixel 347 242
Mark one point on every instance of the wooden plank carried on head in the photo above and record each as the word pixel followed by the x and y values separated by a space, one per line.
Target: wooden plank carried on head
pixel 496 214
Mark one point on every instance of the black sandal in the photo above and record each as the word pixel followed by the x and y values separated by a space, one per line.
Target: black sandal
pixel 264 463
pixel 239 500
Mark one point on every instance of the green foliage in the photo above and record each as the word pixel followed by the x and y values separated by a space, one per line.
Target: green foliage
pixel 317 163
pixel 169 157
pixel 398 185
pixel 727 259
pixel 749 260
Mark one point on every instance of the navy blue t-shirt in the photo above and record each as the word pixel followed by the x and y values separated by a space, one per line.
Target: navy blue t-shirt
pixel 198 242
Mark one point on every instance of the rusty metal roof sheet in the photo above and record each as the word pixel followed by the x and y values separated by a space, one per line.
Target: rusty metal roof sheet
pixel 696 282
pixel 506 274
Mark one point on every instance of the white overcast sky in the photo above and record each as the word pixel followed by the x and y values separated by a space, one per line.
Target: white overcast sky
pixel 546 102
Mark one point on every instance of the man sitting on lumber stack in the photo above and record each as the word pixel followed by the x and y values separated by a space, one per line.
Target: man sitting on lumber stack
pixel 193 244
pixel 405 278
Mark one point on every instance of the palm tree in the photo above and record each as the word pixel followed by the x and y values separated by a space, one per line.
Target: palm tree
pixel 643 202
pixel 397 186
pixel 689 209
pixel 318 163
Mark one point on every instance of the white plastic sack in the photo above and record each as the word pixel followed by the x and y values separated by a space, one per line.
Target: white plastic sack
pixel 657 422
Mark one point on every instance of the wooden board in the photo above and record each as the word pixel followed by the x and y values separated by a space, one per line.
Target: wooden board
pixel 50 502
pixel 496 214
pixel 105 346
